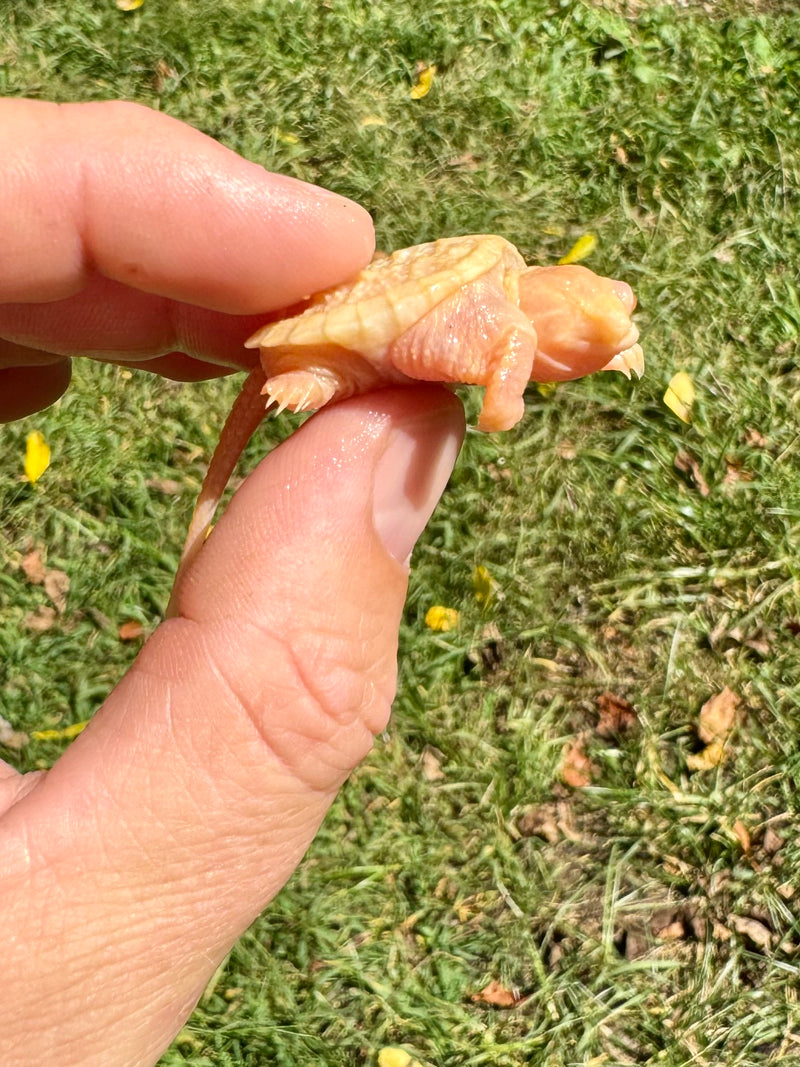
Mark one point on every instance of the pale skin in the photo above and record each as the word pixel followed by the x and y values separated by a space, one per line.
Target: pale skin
pixel 129 869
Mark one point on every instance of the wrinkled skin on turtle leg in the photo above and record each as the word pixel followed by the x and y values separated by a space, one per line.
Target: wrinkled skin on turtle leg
pixel 569 323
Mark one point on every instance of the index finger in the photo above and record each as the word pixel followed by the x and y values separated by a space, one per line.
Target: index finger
pixel 117 189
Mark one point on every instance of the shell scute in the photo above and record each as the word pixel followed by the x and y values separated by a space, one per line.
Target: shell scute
pixel 393 293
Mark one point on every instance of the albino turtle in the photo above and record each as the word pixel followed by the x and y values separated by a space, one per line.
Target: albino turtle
pixel 462 309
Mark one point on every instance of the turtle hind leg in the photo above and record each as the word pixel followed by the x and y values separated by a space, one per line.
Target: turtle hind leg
pixel 307 378
pixel 511 365
pixel 301 390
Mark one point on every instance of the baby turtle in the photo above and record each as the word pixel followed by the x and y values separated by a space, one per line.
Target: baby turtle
pixel 459 310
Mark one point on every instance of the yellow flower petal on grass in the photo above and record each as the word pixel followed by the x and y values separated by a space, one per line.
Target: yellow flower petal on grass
pixel 423 84
pixel 483 584
pixel 396 1057
pixel 582 248
pixel 679 396
pixel 37 456
pixel 66 734
pixel 441 618
pixel 129 5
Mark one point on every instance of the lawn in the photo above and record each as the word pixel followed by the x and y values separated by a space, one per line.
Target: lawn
pixel 543 861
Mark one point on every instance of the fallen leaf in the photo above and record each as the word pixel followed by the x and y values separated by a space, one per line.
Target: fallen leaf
pixel 582 248
pixel 56 585
pixel 484 586
pixel 679 396
pixel 131 630
pixel 540 821
pixel 688 465
pixel 396 1057
pixel 11 738
pixel 441 618
pixel 717 716
pixel 33 567
pixel 772 843
pixel 711 756
pixel 41 620
pixel 498 996
pixel 673 931
pixel 621 155
pixel 422 86
pixel 577 770
pixel 37 456
pixel 64 734
pixel 753 930
pixel 742 834
pixel 371 120
pixel 285 136
pixel 617 715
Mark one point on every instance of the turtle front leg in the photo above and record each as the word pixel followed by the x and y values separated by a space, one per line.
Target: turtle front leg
pixel 510 365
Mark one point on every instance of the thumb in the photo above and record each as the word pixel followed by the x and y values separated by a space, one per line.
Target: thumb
pixel 172 820
pixel 299 591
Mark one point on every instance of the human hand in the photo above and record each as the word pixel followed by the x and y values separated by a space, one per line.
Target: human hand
pixel 131 237
pixel 129 869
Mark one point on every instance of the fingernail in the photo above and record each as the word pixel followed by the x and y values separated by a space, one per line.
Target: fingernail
pixel 410 477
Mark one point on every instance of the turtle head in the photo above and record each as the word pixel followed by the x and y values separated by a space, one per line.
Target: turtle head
pixel 582 321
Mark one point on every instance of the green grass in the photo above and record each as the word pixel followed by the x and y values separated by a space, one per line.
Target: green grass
pixel 672 133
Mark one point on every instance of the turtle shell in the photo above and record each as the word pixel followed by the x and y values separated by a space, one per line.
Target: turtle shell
pixel 393 293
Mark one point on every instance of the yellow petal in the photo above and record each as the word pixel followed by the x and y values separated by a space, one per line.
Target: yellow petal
pixel 423 83
pixel 582 248
pixel 679 396
pixel 483 584
pixel 285 137
pixel 37 456
pixel 129 5
pixel 396 1057
pixel 371 120
pixel 441 618
pixel 66 734
pixel 546 389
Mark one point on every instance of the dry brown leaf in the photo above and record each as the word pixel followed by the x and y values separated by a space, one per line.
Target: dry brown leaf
pixel 41 620
pixel 33 566
pixel 742 834
pixel 131 630
pixel 686 464
pixel 617 715
pixel 753 930
pixel 577 770
pixel 773 842
pixel 498 996
pixel 673 931
pixel 56 585
pixel 717 716
pixel 540 820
